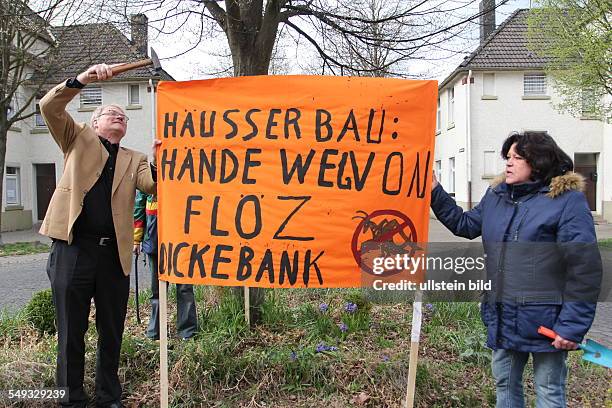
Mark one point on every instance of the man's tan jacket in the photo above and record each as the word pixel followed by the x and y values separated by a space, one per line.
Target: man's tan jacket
pixel 84 160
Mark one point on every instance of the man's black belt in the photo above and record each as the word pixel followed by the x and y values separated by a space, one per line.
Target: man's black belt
pixel 101 240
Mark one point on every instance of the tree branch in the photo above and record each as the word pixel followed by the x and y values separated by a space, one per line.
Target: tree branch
pixel 216 11
pixel 269 27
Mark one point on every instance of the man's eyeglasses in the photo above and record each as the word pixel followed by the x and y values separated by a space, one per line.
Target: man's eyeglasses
pixel 117 115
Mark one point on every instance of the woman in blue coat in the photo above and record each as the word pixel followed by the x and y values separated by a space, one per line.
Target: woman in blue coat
pixel 542 260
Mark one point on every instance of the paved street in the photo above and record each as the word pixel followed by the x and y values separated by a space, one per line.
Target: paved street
pixel 24 275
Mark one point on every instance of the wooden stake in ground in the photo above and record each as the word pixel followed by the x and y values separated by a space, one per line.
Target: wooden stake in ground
pixel 414 349
pixel 163 343
pixel 247 306
pixel 162 290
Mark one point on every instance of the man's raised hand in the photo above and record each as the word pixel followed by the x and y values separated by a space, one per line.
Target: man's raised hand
pixel 98 72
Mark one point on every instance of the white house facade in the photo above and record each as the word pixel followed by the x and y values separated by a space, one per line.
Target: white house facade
pixel 500 88
pixel 34 163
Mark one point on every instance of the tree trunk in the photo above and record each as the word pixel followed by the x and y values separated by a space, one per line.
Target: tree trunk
pixel 251 38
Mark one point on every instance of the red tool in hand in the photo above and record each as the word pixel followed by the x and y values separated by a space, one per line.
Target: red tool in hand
pixel 593 351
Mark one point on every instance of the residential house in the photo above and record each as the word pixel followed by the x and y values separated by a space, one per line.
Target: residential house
pixel 499 88
pixel 34 163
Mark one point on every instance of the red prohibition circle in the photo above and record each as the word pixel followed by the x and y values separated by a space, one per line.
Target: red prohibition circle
pixel 405 224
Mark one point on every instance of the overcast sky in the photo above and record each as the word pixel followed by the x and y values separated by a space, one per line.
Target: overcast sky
pixel 200 64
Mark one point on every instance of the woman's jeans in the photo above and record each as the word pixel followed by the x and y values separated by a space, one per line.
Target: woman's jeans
pixel 549 377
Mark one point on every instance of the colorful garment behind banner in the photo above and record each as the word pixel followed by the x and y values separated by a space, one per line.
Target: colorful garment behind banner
pixel 292 181
pixel 145 222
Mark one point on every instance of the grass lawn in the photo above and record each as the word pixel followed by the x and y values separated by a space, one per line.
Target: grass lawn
pixel 23 248
pixel 605 243
pixel 313 349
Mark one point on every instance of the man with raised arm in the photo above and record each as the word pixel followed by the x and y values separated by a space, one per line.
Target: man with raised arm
pixel 90 221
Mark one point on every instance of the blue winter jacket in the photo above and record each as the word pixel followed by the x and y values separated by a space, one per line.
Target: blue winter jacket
pixel 541 257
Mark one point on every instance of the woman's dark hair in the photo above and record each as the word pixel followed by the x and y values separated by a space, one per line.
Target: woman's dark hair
pixel 546 159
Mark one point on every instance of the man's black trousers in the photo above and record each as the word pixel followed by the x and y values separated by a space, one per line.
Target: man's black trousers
pixel 79 272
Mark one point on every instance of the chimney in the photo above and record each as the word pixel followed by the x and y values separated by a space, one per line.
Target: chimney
pixel 487 20
pixel 140 32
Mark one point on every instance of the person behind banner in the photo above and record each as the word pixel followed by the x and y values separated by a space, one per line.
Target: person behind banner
pixel 543 262
pixel 145 240
pixel 89 221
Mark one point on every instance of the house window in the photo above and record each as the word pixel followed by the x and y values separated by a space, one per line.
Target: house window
pixel 91 96
pixel 490 163
pixel 438 170
pixel 451 106
pixel 534 84
pixel 451 175
pixel 488 84
pixel 588 103
pixel 134 95
pixel 439 116
pixel 38 117
pixel 13 193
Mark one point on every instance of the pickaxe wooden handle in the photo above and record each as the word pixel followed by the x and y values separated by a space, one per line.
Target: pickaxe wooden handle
pixel 117 69
pixel 125 67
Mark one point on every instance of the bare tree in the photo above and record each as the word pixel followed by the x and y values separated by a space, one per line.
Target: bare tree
pixel 350 36
pixel 376 52
pixel 26 42
pixel 30 60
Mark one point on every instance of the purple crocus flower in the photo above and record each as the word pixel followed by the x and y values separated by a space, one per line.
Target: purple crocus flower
pixel 293 356
pixel 429 306
pixel 321 347
pixel 385 358
pixel 350 307
pixel 323 307
pixel 343 327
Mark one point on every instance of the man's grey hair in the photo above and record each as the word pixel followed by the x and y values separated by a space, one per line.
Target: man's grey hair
pixel 96 113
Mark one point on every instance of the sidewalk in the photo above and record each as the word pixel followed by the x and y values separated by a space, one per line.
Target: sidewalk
pixel 437 233
pixel 24 236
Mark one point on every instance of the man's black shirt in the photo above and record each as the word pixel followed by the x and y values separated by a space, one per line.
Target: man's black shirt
pixel 96 218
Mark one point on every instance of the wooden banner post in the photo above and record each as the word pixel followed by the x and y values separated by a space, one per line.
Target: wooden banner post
pixel 163 343
pixel 415 336
pixel 247 306
pixel 162 287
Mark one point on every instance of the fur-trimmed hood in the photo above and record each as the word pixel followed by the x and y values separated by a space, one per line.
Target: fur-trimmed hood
pixel 558 185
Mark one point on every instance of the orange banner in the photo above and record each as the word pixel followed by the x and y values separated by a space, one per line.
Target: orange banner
pixel 292 181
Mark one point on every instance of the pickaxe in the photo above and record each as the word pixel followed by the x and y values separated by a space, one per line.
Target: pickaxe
pixel 117 69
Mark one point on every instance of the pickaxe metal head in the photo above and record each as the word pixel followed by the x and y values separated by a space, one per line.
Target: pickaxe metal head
pixel 155 60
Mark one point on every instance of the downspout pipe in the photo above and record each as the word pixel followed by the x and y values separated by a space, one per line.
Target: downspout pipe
pixel 468 140
pixel 153 108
